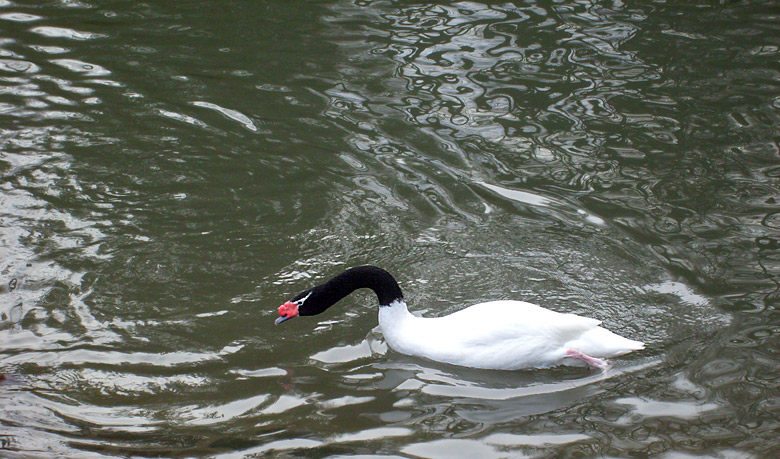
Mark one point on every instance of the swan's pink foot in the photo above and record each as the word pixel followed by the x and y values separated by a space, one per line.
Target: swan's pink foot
pixel 601 364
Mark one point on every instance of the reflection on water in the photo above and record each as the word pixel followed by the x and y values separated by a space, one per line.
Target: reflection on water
pixel 170 173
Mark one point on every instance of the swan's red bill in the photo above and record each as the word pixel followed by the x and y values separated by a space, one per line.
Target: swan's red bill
pixel 286 312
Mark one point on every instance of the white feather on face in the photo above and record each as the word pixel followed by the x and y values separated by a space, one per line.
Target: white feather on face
pixel 302 300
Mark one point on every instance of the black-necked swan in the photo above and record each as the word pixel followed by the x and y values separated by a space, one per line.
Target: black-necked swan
pixel 498 335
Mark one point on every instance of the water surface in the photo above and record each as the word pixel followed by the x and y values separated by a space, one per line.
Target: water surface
pixel 170 172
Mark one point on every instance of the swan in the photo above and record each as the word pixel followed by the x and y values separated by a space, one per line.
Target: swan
pixel 497 335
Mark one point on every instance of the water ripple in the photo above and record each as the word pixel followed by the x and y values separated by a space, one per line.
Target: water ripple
pixel 617 160
pixel 63 32
pixel 77 66
pixel 230 114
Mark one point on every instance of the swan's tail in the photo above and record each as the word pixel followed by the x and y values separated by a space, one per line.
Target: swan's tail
pixel 600 342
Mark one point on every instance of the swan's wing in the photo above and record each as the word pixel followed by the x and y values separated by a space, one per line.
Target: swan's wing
pixel 498 324
pixel 519 313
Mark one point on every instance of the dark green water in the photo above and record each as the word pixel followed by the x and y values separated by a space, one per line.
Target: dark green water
pixel 171 172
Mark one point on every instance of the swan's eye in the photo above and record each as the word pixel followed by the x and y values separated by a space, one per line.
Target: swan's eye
pixel 300 302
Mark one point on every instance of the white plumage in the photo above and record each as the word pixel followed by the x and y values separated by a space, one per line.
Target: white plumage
pixel 502 335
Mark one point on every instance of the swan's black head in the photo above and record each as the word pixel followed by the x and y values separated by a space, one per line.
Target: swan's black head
pixel 317 299
pixel 307 303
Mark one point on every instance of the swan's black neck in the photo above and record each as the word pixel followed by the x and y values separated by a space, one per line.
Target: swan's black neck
pixel 376 279
pixel 325 295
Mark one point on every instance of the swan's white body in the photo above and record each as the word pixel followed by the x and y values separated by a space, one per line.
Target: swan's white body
pixel 502 335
